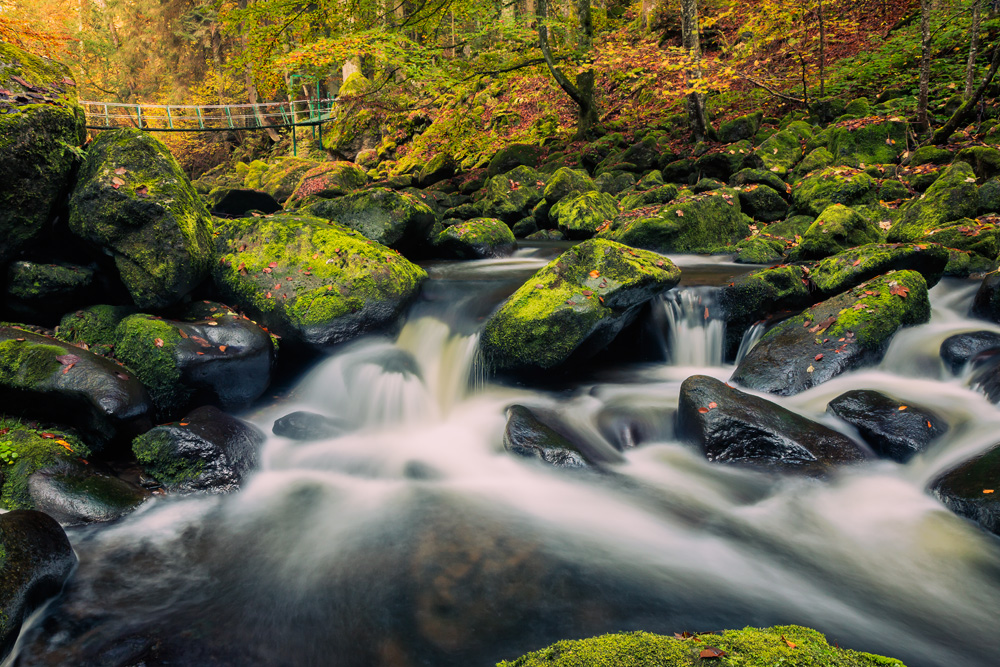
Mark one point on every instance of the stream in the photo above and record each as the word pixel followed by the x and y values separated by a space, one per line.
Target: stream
pixel 415 539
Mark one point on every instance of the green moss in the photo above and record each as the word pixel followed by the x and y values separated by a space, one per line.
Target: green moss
pixel 329 179
pixel 155 451
pixel 687 224
pixel 580 216
pixel 873 143
pixel 640 198
pixel 94 325
pixel 837 228
pixel 146 344
pixel 25 364
pixel 396 219
pixel 985 160
pixel 34 451
pixel 759 250
pixel 930 155
pixel 780 152
pixel 511 195
pixel 566 181
pixel 952 197
pixel 849 268
pixel 833 185
pixel 477 238
pixel 789 646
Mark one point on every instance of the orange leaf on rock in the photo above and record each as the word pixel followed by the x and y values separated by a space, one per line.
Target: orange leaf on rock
pixel 595 273
pixel 158 342
pixel 899 290
pixel 711 652
pixel 702 410
pixel 713 405
pixel 790 644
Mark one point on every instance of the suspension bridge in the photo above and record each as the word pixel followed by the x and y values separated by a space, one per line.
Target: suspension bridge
pixel 311 113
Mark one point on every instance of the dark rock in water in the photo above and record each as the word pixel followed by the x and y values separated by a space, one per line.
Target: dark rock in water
pixel 986 304
pixel 573 307
pixel 960 349
pixel 986 374
pixel 972 490
pixel 35 560
pixel 733 427
pixel 479 238
pixel 542 434
pixel 301 425
pixel 848 331
pixel 45 378
pixel 73 493
pixel 211 356
pixel 895 430
pixel 347 286
pixel 133 200
pixel 206 451
pixel 237 203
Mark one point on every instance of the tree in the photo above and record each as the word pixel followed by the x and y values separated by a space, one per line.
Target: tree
pixel 692 44
pixel 582 93
pixel 970 66
pixel 926 7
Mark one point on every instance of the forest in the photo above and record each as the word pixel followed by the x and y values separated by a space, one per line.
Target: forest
pixel 386 333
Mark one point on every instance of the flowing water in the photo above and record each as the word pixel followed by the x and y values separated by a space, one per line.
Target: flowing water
pixel 415 539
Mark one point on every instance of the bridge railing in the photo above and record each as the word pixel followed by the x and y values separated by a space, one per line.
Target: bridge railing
pixel 207 117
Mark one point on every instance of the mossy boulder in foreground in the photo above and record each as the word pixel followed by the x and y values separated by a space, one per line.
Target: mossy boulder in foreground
pixel 311 281
pixel 41 127
pixel 133 200
pixel 787 645
pixel 573 307
pixel 35 560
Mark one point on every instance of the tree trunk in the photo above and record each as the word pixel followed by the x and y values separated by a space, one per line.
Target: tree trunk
pixel 969 105
pixel 822 53
pixel 583 92
pixel 925 64
pixel 970 66
pixel 692 43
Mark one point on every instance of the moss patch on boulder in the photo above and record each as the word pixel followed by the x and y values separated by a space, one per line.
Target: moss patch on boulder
pixel 395 219
pixel 580 216
pixel 478 238
pixel 328 179
pixel 837 228
pixel 833 185
pixel 688 224
pixel 952 197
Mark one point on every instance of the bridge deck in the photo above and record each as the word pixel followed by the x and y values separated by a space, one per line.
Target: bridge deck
pixel 209 117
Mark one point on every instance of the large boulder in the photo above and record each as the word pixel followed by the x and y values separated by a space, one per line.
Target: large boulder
pixel 515 155
pixel 133 200
pixel 958 350
pixel 859 143
pixel 892 428
pixel 40 128
pixel 836 229
pixel 565 181
pixel 45 378
pixel 39 292
pixel 986 303
pixel 580 216
pixel 440 167
pixel 573 307
pixel 207 450
pixel 780 152
pixel 833 185
pixel 36 559
pixel 972 489
pixel 952 197
pixel 478 238
pixel 740 128
pixel 762 202
pixel 328 179
pixel 511 196
pixel 73 493
pixel 730 426
pixel 395 219
pixel 847 331
pixel 688 224
pixel 312 281
pixel 25 450
pixel 283 176
pixel 853 266
pixel 210 356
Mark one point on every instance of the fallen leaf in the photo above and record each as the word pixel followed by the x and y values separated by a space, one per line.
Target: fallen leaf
pixel 222 348
pixel 680 213
pixel 158 342
pixel 817 357
pixel 706 312
pixel 67 359
pixel 987 490
pixel 713 405
pixel 120 171
pixel 595 273
pixel 266 269
pixel 810 369
pixel 272 264
pixel 66 370
pixel 790 644
pixel 929 425
pixel 902 407
pixel 702 410
pixel 182 333
pixel 117 182
pixel 711 652
pixel 899 290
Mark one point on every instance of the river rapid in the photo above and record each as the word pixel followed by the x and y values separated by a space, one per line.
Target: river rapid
pixel 415 539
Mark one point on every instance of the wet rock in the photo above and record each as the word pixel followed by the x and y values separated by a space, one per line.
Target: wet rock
pixel 40 292
pixel 73 493
pixel 301 425
pixel 851 267
pixel 479 238
pixel 986 303
pixel 892 428
pixel 573 307
pixel 836 229
pixel 133 200
pixel 94 327
pixel 631 424
pixel 546 235
pixel 205 451
pixel 833 185
pixel 986 373
pixel 44 378
pixel 844 332
pixel 526 435
pixel 687 224
pixel 36 161
pixel 311 282
pixel 237 203
pixel 580 216
pixel 210 356
pixel 27 448
pixel 35 560
pixel 960 349
pixel 395 219
pixel 972 490
pixel 730 426
pixel 758 295
pixel 328 179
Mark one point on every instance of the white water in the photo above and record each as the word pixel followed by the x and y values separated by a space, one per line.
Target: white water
pixel 415 539
pixel 695 330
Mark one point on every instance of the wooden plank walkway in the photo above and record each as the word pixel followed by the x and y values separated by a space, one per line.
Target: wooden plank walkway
pixel 208 117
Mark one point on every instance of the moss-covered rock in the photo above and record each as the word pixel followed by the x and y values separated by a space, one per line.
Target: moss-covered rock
pixel 573 307
pixel 687 224
pixel 930 155
pixel 44 378
pixel 39 135
pixel 837 228
pixel 787 645
pixel 281 178
pixel 478 238
pixel 759 249
pixel 740 128
pixel 969 490
pixel 440 167
pixel 953 196
pixel 641 156
pixel 780 153
pixel 985 160
pixel 963 264
pixel 328 179
pixel 210 356
pixel 833 185
pixel 762 202
pixel 580 216
pixel 790 227
pixel 826 109
pixel 36 559
pixel 615 182
pixel 93 326
pixel 750 176
pixel 871 143
pixel 24 451
pixel 312 281
pixel 759 295
pixel 724 162
pixel 844 332
pixel 207 450
pixel 566 181
pixel 980 236
pixel 852 267
pixel 512 195
pixel 989 197
pixel 355 126
pixel 816 159
pixel 395 219
pixel 679 171
pixel 39 292
pixel 654 196
pixel 133 200
pixel 512 156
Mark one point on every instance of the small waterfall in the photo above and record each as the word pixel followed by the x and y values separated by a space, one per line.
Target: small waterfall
pixel 750 338
pixel 695 332
pixel 445 358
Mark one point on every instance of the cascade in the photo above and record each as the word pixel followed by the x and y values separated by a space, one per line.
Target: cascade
pixel 695 332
